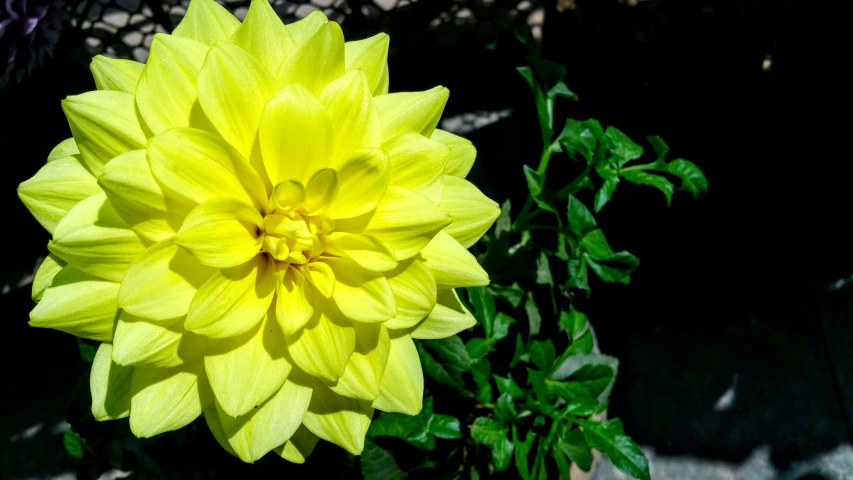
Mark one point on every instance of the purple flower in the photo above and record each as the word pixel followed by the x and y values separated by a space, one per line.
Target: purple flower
pixel 29 31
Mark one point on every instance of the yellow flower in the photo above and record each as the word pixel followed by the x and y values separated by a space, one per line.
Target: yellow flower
pixel 256 230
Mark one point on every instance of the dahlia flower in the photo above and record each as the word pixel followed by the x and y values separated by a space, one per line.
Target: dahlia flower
pixel 255 229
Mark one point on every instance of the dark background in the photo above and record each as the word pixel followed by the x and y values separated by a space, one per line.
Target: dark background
pixel 737 291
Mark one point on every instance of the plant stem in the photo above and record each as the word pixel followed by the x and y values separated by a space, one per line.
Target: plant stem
pixel 544 160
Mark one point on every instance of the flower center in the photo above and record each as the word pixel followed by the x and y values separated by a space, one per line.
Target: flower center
pixel 295 225
pixel 295 238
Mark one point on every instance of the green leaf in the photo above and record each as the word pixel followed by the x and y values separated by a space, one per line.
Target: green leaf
pixel 542 354
pixel 660 147
pixel 512 294
pixel 585 376
pixel 605 193
pixel 543 270
pixel 657 181
pixel 579 137
pixel 550 72
pixel 692 178
pixel 484 309
pixel 562 90
pixel 582 345
pixel 616 267
pixel 505 409
pixel 522 450
pixel 581 220
pixel 452 351
pixel 582 407
pixel 501 326
pixel 543 196
pixel 574 445
pixel 622 148
pixel 540 387
pixel 574 322
pixel 562 464
pixel 437 372
pixel 478 348
pixel 508 385
pixel 378 463
pixel 541 104
pixel 519 352
pixel 73 443
pixel 493 434
pixel 445 426
pixel 578 276
pixel 533 317
pixel 87 350
pixel 609 438
pixel 596 244
pixel 481 373
pixel 413 430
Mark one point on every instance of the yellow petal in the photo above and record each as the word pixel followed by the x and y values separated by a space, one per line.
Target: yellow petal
pixel 316 62
pixel 402 386
pixel 161 283
pixel 302 30
pixel 104 124
pixel 232 89
pixel 300 445
pixel 449 317
pixel 295 135
pixel 79 304
pixel 355 119
pixel 56 188
pixel 451 264
pixel 321 277
pixel 403 219
pixel 369 252
pixel 361 295
pixel 166 94
pixel 115 74
pixel 472 212
pixel 233 300
pixel 50 266
pixel 287 195
pixel 194 166
pixel 247 369
pixel 321 191
pixel 269 424
pixel 211 417
pixel 414 293
pixel 417 163
pixel 222 232
pixel 109 384
pixel 63 149
pixel 142 343
pixel 294 300
pixel 371 57
pixel 166 399
pixel 94 239
pixel 138 199
pixel 462 153
pixel 207 22
pixel 411 112
pixel 367 364
pixel 362 182
pixel 337 419
pixel 264 36
pixel 323 347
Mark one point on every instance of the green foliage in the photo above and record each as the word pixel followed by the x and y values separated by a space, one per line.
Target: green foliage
pixel 529 394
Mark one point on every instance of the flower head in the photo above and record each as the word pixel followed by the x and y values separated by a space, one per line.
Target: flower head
pixel 256 230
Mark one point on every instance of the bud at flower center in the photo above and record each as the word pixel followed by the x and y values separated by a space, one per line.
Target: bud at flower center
pixel 295 238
